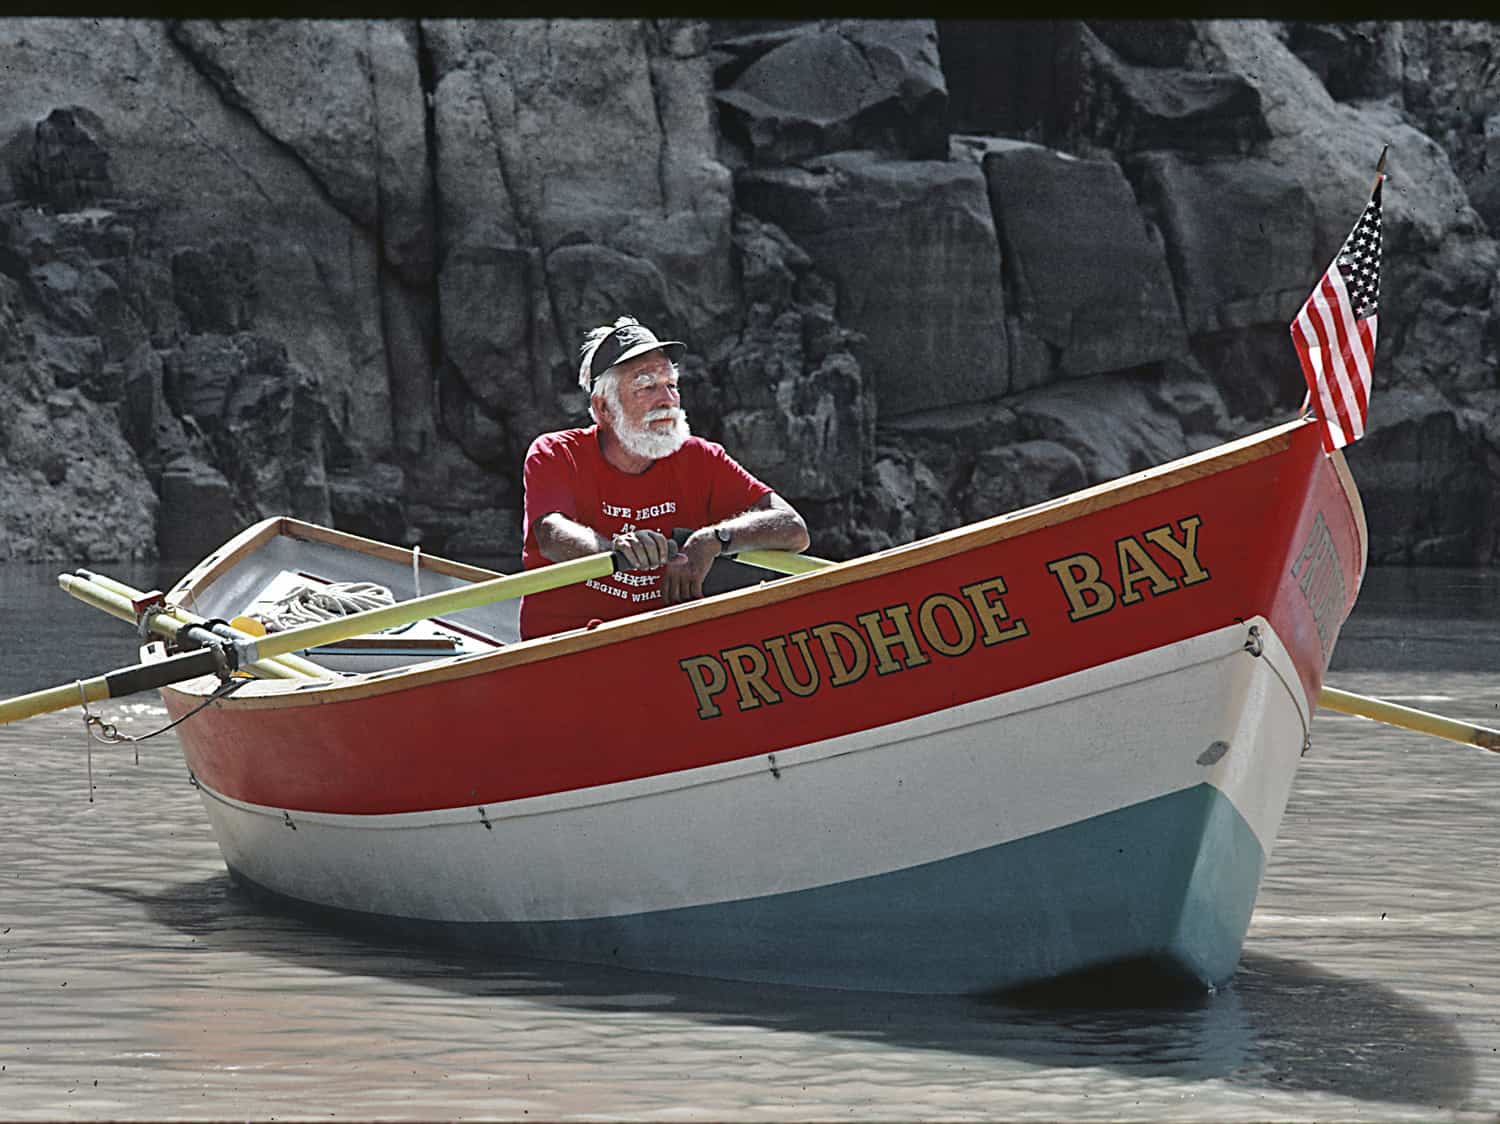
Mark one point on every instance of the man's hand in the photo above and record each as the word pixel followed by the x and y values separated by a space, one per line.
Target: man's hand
pixel 682 580
pixel 644 549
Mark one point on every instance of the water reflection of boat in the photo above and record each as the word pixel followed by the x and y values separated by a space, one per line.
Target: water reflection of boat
pixel 1045 742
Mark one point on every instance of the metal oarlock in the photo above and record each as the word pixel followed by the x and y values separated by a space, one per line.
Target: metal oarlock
pixel 1255 644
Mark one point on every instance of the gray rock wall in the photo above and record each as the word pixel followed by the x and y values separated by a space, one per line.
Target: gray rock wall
pixel 928 271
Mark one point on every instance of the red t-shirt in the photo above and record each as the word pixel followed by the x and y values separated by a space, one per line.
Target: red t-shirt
pixel 565 472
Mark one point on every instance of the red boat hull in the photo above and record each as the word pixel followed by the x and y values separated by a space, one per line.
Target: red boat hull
pixel 991 608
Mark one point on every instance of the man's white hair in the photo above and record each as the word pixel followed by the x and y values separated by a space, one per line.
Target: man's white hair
pixel 591 342
pixel 608 387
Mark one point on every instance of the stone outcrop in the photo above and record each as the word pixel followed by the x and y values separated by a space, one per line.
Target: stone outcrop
pixel 582 181
pixel 843 85
pixel 788 385
pixel 928 271
pixel 1087 281
pixel 911 246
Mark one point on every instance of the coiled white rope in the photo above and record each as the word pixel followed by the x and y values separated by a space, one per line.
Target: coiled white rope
pixel 307 604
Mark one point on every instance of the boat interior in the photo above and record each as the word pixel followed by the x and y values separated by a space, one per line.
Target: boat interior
pixel 284 561
pixel 263 577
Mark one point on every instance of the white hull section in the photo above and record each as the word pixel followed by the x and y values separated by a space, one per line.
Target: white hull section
pixel 942 785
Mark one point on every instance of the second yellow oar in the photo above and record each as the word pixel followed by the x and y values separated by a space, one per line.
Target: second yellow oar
pixel 125 609
pixel 1346 702
pixel 160 623
pixel 433 604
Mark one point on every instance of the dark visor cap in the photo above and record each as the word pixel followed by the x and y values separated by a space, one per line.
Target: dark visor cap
pixel 626 342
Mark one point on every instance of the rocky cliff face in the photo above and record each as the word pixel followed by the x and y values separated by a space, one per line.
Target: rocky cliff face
pixel 928 271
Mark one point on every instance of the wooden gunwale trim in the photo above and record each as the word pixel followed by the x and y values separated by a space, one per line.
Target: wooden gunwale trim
pixel 1356 508
pixel 945 544
pixel 258 534
pixel 219 562
pixel 312 532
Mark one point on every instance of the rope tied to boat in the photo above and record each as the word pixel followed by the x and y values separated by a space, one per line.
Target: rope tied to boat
pixel 88 741
pixel 109 734
pixel 309 604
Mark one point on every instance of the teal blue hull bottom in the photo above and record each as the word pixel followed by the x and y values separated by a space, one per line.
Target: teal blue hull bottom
pixel 1167 884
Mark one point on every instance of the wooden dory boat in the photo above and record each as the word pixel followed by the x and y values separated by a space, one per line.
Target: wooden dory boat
pixel 1055 740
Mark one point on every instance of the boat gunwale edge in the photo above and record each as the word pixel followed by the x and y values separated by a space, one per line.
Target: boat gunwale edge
pixel 280 694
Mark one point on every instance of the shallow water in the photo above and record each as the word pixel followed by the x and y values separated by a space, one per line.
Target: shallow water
pixel 137 983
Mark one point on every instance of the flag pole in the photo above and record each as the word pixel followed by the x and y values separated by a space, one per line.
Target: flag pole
pixel 1380 169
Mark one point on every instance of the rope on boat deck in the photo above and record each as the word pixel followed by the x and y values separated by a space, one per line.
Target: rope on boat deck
pixel 308 604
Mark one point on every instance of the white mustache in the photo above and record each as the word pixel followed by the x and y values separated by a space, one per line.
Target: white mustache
pixel 664 413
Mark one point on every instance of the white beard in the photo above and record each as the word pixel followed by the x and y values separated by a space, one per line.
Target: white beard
pixel 645 441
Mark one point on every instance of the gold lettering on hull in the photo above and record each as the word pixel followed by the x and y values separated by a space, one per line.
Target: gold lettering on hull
pixel 747 663
pixel 900 638
pixel 945 624
pixel 887 640
pixel 794 683
pixel 708 677
pixel 1320 576
pixel 1079 574
pixel 934 633
pixel 1091 592
pixel 843 671
pixel 990 609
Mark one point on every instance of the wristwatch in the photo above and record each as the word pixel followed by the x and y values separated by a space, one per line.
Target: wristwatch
pixel 723 534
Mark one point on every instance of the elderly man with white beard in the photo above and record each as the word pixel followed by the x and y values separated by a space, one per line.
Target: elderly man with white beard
pixel 624 483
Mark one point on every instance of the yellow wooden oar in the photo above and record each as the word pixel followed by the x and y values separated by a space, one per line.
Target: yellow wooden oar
pixel 231 631
pixel 116 599
pixel 435 604
pixel 115 684
pixel 183 616
pixel 207 661
pixel 783 562
pixel 1330 698
pixel 1345 702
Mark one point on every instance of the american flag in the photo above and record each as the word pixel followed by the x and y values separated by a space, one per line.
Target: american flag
pixel 1334 332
